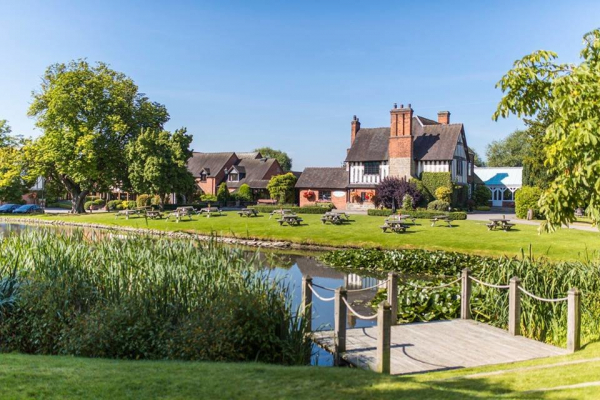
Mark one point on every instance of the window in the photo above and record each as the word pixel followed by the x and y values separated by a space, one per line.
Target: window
pixel 325 195
pixel 372 167
pixel 459 167
pixel 233 177
pixel 203 177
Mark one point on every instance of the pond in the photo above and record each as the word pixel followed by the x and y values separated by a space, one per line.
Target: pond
pixel 290 267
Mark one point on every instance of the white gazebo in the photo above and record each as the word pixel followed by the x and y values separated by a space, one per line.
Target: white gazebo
pixel 503 182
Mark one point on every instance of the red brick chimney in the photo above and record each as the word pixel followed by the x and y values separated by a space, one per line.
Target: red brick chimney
pixel 444 117
pixel 400 148
pixel 355 127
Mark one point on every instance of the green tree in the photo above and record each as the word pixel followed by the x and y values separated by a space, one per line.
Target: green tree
pixel 158 163
pixel 535 172
pixel 245 193
pixel 570 94
pixel 88 114
pixel 508 152
pixel 12 185
pixel 282 188
pixel 477 160
pixel 284 160
pixel 223 194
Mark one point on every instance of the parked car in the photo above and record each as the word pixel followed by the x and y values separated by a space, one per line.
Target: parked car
pixel 8 208
pixel 29 209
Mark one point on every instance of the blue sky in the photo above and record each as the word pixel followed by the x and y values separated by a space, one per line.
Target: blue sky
pixel 291 75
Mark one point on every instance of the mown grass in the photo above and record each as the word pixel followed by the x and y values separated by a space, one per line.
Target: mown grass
pixel 24 376
pixel 364 232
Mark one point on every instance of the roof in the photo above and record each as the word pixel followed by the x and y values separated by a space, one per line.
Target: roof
pixel 431 141
pixel 211 163
pixel 500 176
pixel 323 178
pixel 248 154
pixel 256 171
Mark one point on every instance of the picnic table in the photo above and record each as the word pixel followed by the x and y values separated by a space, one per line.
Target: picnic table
pixel 290 219
pixel 403 217
pixel 395 225
pixel 334 217
pixel 127 213
pixel 153 214
pixel 182 212
pixel 280 211
pixel 341 214
pixel 441 218
pixel 501 223
pixel 210 210
pixel 248 212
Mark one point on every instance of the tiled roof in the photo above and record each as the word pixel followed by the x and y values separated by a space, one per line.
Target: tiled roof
pixel 212 163
pixel 255 170
pixel 323 178
pixel 248 154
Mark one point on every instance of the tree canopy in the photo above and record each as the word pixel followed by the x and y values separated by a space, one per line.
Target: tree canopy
pixel 282 187
pixel 12 185
pixel 570 95
pixel 508 152
pixel 477 160
pixel 284 160
pixel 88 114
pixel 158 162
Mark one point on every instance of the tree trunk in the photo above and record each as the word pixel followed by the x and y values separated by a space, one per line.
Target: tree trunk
pixel 76 193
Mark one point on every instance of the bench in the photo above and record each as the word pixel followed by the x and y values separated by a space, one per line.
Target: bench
pixel 491 226
pixel 248 212
pixel 290 221
pixel 507 227
pixel 395 228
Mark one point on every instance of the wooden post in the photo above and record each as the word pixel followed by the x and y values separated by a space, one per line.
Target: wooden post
pixel 384 337
pixel 392 296
pixel 514 307
pixel 465 294
pixel 574 320
pixel 307 300
pixel 340 324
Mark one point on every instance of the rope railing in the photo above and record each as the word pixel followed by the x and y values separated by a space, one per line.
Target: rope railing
pixel 489 284
pixel 541 298
pixel 353 311
pixel 352 290
pixel 435 287
pixel 319 297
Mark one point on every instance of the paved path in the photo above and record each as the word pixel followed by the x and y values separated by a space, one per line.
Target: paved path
pixel 486 216
pixel 439 345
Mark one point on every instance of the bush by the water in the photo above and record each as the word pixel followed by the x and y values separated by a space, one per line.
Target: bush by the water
pixel 143 298
pixel 527 198
pixel 541 321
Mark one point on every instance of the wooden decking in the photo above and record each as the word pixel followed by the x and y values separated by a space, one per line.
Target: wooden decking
pixel 440 345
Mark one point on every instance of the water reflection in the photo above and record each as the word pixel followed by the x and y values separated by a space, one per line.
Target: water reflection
pixel 289 268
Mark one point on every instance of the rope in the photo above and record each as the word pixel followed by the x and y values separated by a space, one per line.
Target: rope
pixel 541 298
pixel 319 297
pixel 368 288
pixel 357 314
pixel 489 284
pixel 436 287
pixel 323 287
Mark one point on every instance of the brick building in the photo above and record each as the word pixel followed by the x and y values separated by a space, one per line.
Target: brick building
pixel 410 146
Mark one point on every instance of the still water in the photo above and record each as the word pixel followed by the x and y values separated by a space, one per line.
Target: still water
pixel 290 267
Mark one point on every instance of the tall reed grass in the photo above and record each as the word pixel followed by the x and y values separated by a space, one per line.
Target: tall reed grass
pixel 143 298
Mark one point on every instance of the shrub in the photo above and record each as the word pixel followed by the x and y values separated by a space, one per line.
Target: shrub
pixel 130 205
pixel 481 195
pixel 525 198
pixel 483 208
pixel 391 192
pixel 433 180
pixel 439 205
pixel 143 200
pixel 88 205
pixel 99 202
pixel 420 214
pixel 407 202
pixel 245 193
pixel 460 195
pixel 426 197
pixel 223 194
pixel 208 197
pixel 444 194
pixel 155 200
pixel 300 210
pixel 112 205
pixel 282 187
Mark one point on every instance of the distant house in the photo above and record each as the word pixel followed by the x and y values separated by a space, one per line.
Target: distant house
pixel 503 182
pixel 410 146
pixel 326 185
pixel 235 169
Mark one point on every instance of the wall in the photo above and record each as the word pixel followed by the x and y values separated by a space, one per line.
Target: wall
pixel 357 173
pixel 338 202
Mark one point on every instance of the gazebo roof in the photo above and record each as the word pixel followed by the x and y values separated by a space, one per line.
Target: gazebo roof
pixel 500 176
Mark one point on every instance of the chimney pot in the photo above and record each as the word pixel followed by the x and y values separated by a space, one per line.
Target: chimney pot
pixel 355 118
pixel 401 105
pixel 395 105
pixel 409 105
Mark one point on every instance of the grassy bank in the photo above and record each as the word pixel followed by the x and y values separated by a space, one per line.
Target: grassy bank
pixel 23 376
pixel 363 231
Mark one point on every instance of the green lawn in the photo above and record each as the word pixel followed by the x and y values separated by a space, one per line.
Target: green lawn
pixel 364 231
pixel 25 376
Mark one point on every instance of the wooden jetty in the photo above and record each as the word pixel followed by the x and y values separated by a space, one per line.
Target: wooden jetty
pixel 433 346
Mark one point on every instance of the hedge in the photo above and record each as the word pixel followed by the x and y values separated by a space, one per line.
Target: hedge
pixel 525 198
pixel 296 209
pixel 420 214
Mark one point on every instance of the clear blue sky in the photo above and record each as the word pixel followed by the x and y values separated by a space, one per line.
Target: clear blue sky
pixel 290 75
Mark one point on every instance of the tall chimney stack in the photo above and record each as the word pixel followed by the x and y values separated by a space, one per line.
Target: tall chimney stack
pixel 444 117
pixel 355 127
pixel 400 149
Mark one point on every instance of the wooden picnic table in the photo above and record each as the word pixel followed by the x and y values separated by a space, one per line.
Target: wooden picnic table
pixel 402 217
pixel 210 210
pixel 127 213
pixel 341 214
pixel 248 212
pixel 280 211
pixel 395 225
pixel 182 212
pixel 501 223
pixel 154 214
pixel 441 218
pixel 333 217
pixel 290 219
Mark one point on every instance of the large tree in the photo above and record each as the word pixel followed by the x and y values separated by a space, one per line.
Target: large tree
pixel 284 160
pixel 570 95
pixel 12 184
pixel 477 160
pixel 88 114
pixel 508 152
pixel 158 162
pixel 535 172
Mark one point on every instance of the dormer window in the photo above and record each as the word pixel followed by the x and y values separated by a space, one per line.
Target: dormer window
pixel 233 177
pixel 372 167
pixel 202 176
